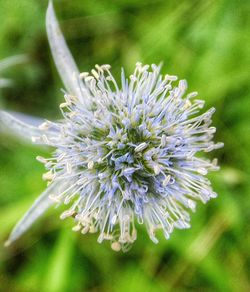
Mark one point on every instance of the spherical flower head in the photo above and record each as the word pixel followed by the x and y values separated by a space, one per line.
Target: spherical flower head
pixel 127 155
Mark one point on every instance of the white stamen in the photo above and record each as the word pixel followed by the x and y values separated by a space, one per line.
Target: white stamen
pixel 116 246
pixel 141 147
pixel 90 164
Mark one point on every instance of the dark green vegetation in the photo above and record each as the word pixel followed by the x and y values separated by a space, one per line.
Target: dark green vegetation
pixel 205 42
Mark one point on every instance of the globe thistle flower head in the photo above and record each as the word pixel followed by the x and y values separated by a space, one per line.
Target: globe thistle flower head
pixel 125 152
pixel 129 154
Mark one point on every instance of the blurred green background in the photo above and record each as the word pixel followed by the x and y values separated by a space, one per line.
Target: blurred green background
pixel 206 42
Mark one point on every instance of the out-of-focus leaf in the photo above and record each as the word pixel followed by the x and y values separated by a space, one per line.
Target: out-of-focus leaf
pixel 60 263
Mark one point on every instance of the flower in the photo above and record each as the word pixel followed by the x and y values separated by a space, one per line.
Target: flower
pixel 123 154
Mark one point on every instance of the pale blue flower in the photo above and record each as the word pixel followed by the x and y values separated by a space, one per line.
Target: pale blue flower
pixel 123 154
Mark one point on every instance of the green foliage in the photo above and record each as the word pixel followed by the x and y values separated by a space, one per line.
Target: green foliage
pixel 205 42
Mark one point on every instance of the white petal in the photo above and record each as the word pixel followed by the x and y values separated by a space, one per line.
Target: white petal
pixel 41 204
pixel 11 61
pixel 63 59
pixel 27 119
pixel 18 127
pixel 23 126
pixel 5 82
